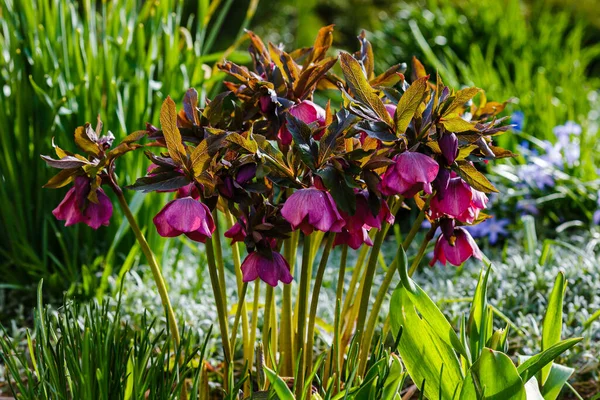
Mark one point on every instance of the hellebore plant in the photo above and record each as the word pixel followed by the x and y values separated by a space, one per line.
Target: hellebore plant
pixel 275 167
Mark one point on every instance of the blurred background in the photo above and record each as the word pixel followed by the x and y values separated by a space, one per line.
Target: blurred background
pixel 62 62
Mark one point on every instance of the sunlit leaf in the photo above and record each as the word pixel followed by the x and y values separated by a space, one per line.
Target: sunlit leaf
pixel 168 122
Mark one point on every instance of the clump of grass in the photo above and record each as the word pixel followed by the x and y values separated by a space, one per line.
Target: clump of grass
pixel 85 352
pixel 61 64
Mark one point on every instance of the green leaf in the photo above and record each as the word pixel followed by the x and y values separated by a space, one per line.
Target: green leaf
pixel 477 316
pixel 474 178
pixel 552 327
pixel 423 351
pixel 494 377
pixel 557 378
pixel 395 379
pixel 409 103
pixel 281 388
pixel 168 123
pixel 460 98
pixel 457 124
pixel 247 144
pixel 361 88
pixel 534 364
pixel 340 191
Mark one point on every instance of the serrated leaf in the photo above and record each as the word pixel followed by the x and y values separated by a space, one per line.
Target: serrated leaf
pixel 457 124
pixel 409 103
pixel 168 123
pixel 474 178
pixel 361 88
pixel 200 157
pixel 322 44
pixel 245 143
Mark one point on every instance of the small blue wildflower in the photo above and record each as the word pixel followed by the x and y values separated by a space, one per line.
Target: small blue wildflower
pixel 596 217
pixel 527 206
pixel 569 128
pixel 536 175
pixel 518 119
pixel 553 154
pixel 493 228
pixel 572 153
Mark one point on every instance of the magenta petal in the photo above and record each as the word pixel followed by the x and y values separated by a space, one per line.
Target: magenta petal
pixel 449 145
pixel 308 112
pixel 249 267
pixel 454 201
pixel 312 209
pixel 100 213
pixel 391 109
pixel 411 173
pixel 186 215
pixel 162 226
pixel 68 210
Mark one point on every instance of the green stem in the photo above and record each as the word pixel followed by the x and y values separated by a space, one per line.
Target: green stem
pixel 219 301
pixel 266 333
pixel 156 273
pixel 368 282
pixel 314 301
pixel 216 237
pixel 336 359
pixel 238 313
pixel 286 330
pixel 422 249
pixel 254 325
pixel 302 309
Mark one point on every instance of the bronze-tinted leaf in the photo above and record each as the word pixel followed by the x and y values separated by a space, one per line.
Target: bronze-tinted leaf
pixel 366 55
pixel 474 178
pixel 361 88
pixel 168 123
pixel 322 44
pixel 260 48
pixel 499 152
pixel 311 76
pixel 285 63
pixel 457 124
pixel 418 70
pixel 84 139
pixel 190 106
pixel 162 181
pixel 61 179
pixel 389 77
pixel 245 143
pixel 200 158
pixel 409 103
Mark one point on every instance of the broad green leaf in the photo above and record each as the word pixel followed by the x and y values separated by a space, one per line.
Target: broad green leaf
pixel 168 124
pixel 474 178
pixel 552 326
pixel 409 103
pixel 495 377
pixel 534 364
pixel 422 350
pixel 477 316
pixel 395 379
pixel 430 313
pixel 281 388
pixel 361 88
pixel 457 124
pixel 557 378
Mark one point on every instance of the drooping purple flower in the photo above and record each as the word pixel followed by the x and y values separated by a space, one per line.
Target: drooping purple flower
pixel 237 233
pixel 76 207
pixel 464 247
pixel 307 112
pixel 459 201
pixel 410 173
pixel 356 230
pixel 310 209
pixel 185 216
pixel 269 270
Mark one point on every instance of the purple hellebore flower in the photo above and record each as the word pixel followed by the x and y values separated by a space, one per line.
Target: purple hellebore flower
pixel 464 248
pixel 269 270
pixel 307 112
pixel 185 216
pixel 76 207
pixel 356 230
pixel 411 173
pixel 310 209
pixel 237 233
pixel 459 201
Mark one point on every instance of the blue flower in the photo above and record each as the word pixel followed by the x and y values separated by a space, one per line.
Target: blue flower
pixel 518 119
pixel 527 206
pixel 568 129
pixel 536 175
pixel 493 228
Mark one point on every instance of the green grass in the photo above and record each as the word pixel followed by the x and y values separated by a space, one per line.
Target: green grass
pixel 85 352
pixel 63 63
